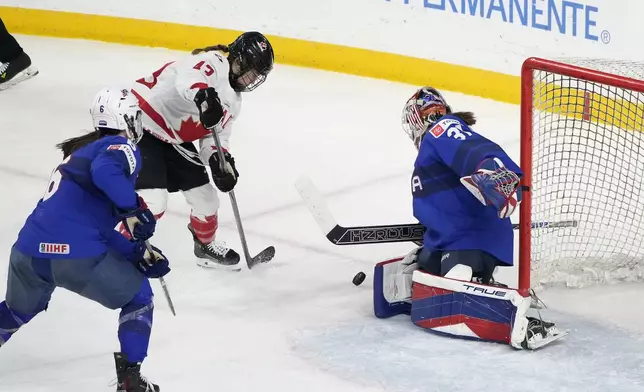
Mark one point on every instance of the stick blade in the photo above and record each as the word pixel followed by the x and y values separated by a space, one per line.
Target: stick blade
pixel 316 204
pixel 263 257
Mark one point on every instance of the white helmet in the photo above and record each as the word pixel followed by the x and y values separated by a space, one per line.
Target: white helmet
pixel 117 109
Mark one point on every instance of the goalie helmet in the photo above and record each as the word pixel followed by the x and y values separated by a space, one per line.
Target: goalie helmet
pixel 251 60
pixel 115 111
pixel 421 111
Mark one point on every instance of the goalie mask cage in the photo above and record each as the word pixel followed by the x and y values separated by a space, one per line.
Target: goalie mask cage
pixel 582 153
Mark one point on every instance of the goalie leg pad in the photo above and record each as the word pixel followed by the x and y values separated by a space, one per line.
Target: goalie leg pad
pixel 391 289
pixel 468 310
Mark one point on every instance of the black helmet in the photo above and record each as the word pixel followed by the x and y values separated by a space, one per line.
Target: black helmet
pixel 251 60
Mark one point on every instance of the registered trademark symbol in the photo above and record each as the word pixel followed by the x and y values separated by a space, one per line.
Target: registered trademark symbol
pixel 605 36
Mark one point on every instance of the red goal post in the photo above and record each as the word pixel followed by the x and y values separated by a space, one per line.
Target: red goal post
pixel 582 154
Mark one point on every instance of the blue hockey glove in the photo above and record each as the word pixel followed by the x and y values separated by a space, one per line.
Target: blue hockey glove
pixel 139 222
pixel 153 265
pixel 494 185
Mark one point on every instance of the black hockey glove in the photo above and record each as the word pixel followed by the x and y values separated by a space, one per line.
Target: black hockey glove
pixel 209 105
pixel 225 179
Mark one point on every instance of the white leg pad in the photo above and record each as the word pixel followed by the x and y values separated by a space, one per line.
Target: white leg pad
pixel 203 200
pixel 156 199
pixel 520 326
pixel 460 272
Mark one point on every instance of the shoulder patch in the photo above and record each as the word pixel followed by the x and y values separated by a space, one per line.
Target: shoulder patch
pixel 129 154
pixel 437 130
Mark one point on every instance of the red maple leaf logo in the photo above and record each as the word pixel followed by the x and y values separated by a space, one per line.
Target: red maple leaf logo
pixel 191 130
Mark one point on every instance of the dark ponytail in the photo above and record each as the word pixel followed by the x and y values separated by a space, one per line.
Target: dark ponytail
pixel 73 144
pixel 468 117
pixel 221 48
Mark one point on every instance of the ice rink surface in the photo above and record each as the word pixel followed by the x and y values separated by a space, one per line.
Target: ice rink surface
pixel 298 324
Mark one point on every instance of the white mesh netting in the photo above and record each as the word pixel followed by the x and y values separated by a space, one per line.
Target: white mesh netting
pixel 588 166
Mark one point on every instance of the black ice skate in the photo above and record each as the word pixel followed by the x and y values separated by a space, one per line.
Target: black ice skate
pixel 129 378
pixel 16 71
pixel 215 254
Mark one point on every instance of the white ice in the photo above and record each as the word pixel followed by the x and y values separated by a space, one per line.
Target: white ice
pixel 298 324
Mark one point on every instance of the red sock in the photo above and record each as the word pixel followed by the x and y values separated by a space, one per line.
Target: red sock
pixel 204 229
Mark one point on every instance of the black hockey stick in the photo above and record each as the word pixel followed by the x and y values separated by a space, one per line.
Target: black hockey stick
pixel 360 235
pixel 164 286
pixel 267 254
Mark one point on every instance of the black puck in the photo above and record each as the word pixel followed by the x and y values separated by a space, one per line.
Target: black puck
pixel 359 278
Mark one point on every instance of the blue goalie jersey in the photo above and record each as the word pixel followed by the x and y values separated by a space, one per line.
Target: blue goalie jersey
pixel 453 217
pixel 77 214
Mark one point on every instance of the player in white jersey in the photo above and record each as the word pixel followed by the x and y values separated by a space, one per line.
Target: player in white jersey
pixel 180 102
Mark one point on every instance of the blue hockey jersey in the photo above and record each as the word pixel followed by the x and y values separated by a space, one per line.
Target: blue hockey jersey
pixel 453 217
pixel 77 215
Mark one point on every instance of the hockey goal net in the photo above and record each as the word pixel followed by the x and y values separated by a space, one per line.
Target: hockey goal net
pixel 582 151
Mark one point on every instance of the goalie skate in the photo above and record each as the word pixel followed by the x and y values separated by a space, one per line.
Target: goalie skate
pixel 541 333
pixel 215 254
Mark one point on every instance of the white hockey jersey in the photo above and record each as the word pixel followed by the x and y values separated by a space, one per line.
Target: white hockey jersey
pixel 166 100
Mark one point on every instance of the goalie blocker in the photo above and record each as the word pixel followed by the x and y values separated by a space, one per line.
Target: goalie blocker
pixel 455 306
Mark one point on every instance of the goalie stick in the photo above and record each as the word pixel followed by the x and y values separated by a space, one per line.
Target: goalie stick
pixel 267 254
pixel 360 235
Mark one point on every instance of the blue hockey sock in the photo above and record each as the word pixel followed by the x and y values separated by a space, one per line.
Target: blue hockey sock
pixel 11 321
pixel 135 324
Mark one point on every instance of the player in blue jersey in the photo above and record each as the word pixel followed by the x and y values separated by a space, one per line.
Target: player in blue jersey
pixel 464 188
pixel 69 240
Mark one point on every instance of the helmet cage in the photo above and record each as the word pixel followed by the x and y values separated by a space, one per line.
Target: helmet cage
pixel 134 126
pixel 421 111
pixel 246 78
pixel 251 60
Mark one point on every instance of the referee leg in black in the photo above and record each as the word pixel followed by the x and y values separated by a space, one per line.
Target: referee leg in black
pixel 9 47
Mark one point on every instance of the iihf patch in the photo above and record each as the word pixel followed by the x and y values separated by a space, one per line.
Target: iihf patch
pixel 129 154
pixel 437 131
pixel 102 123
pixel 57 249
